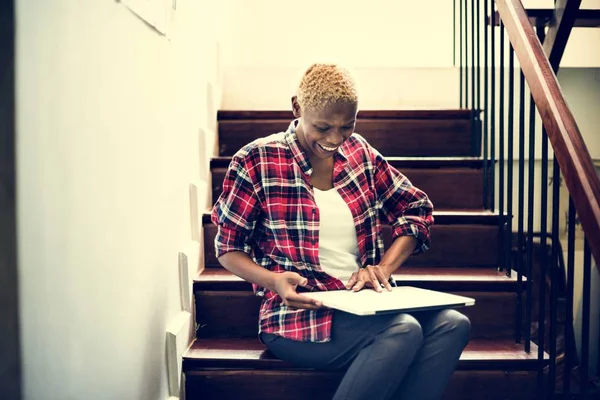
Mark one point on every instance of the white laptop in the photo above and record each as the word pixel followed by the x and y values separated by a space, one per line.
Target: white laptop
pixel 400 299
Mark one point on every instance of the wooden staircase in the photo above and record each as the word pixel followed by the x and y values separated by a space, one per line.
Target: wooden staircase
pixel 439 152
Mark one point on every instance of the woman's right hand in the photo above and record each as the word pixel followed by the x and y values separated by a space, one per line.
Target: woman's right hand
pixel 285 285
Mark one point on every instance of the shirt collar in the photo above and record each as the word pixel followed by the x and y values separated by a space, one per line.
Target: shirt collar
pixel 299 153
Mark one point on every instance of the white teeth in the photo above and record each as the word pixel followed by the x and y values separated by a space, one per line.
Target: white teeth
pixel 328 148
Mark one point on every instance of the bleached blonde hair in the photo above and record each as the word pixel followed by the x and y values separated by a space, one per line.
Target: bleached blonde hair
pixel 324 84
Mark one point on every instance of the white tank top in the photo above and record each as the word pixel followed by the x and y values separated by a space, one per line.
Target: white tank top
pixel 338 247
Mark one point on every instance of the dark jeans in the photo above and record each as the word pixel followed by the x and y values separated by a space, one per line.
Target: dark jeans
pixel 393 356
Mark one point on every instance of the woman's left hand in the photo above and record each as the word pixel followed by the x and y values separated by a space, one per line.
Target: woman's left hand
pixel 371 276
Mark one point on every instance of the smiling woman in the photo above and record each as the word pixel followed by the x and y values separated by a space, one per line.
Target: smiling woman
pixel 300 211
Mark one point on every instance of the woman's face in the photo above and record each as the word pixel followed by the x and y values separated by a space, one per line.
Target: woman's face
pixel 321 133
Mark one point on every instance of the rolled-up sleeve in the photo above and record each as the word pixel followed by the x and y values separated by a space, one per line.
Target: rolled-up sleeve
pixel 235 211
pixel 407 208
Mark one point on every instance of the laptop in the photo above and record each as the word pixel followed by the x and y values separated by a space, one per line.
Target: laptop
pixel 400 299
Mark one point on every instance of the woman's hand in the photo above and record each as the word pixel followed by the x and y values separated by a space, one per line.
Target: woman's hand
pixel 371 276
pixel 285 285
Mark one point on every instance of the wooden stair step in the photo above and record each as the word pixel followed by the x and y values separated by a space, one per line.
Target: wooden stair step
pixel 414 133
pixel 321 385
pixel 434 278
pixel 459 238
pixel 222 162
pixel 234 313
pixel 451 183
pixel 249 353
pixel 228 115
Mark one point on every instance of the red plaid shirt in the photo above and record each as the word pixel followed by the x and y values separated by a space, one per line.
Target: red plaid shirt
pixel 267 210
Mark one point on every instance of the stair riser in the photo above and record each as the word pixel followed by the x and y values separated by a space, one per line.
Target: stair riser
pixel 235 314
pixel 392 137
pixel 452 246
pixel 452 188
pixel 320 385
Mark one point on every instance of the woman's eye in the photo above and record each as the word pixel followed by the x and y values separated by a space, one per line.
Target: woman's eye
pixel 322 129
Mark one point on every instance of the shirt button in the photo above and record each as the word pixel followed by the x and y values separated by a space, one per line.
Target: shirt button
pixel 314 210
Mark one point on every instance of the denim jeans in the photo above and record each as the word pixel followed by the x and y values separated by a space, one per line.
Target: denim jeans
pixel 391 356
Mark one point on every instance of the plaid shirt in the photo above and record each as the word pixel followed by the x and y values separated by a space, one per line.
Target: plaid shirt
pixel 267 209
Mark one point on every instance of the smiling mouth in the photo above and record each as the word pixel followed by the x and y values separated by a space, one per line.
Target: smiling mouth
pixel 328 149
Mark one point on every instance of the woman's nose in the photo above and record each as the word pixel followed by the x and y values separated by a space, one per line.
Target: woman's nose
pixel 336 138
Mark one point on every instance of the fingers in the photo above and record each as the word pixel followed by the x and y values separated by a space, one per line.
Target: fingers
pixel 386 284
pixel 352 280
pixel 359 285
pixel 370 276
pixel 304 306
pixel 303 282
pixel 296 279
pixel 373 279
pixel 296 300
pixel 381 278
pixel 285 286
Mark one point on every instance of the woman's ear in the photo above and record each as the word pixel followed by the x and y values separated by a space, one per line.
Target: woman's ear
pixel 296 107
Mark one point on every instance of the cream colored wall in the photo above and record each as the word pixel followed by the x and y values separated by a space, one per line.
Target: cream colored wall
pixel 375 34
pixel 378 33
pixel 108 140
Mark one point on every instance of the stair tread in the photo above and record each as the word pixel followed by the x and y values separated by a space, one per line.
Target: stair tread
pixel 224 115
pixel 460 278
pixel 399 162
pixel 452 183
pixel 423 132
pixel 239 353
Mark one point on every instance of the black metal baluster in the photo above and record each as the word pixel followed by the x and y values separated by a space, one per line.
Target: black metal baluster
pixel 553 275
pixel 541 34
pixel 466 54
pixel 530 226
pixel 493 105
pixel 501 150
pixel 585 318
pixel 521 196
pixel 569 337
pixel 478 67
pixel 486 189
pixel 472 54
pixel 460 46
pixel 510 159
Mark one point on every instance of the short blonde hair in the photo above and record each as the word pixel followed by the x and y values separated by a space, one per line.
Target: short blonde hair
pixel 324 84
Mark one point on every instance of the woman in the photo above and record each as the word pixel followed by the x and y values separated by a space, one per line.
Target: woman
pixel 300 211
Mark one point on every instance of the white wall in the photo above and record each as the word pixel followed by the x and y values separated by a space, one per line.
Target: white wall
pixel 381 33
pixel 108 121
pixel 581 88
pixel 378 33
pixel 271 88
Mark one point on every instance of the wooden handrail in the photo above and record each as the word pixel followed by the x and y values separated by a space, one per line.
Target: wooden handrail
pixel 569 148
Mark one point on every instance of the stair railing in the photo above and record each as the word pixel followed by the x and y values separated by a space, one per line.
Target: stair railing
pixel 483 49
